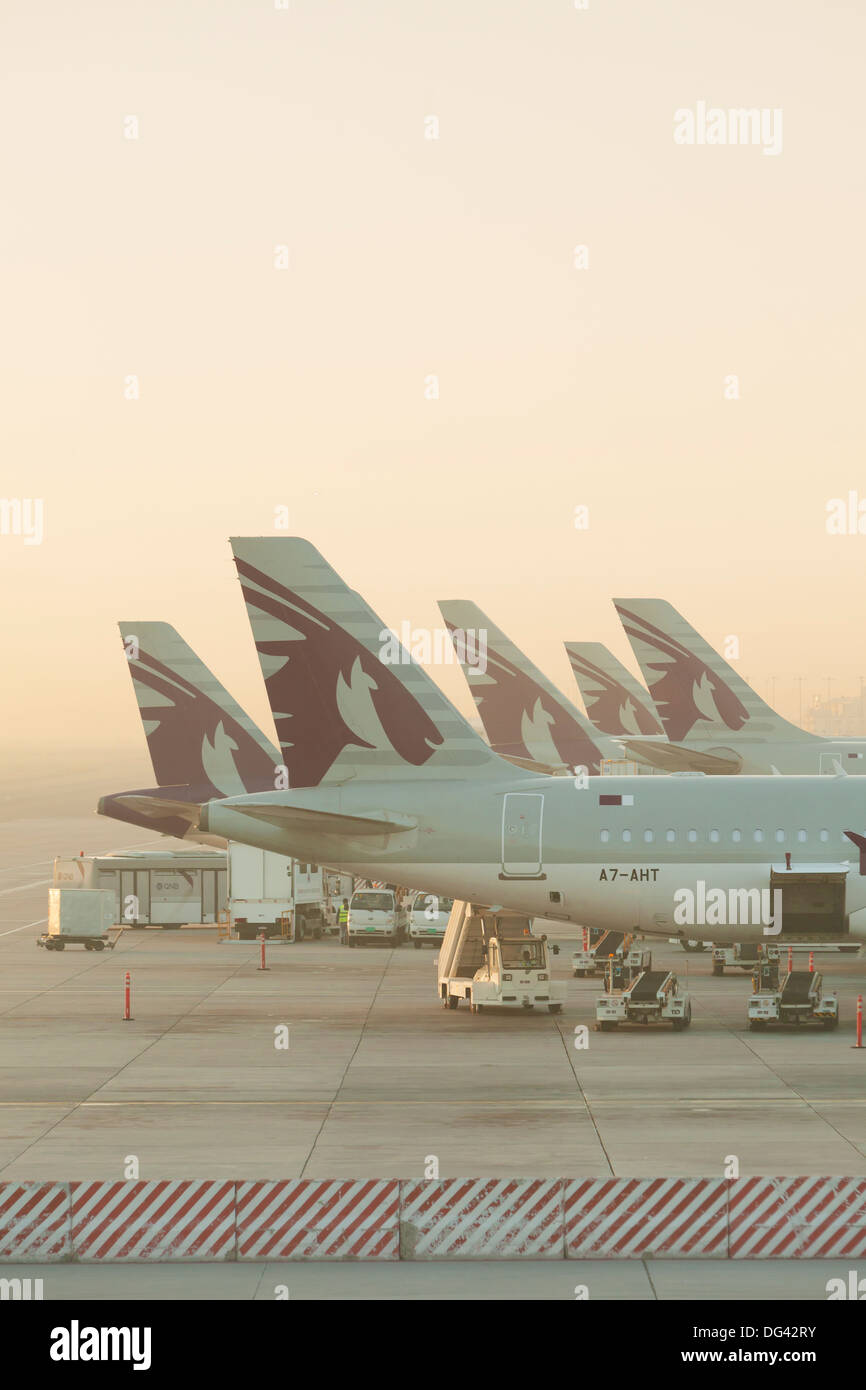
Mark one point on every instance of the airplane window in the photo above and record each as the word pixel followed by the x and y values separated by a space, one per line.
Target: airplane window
pixel 780 837
pixel 736 836
pixel 670 836
pixel 714 837
pixel 758 836
pixel 605 836
pixel 626 835
pixel 648 836
pixel 824 836
pixel 802 836
pixel 692 836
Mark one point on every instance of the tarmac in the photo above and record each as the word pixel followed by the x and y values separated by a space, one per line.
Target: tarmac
pixel 524 1280
pixel 378 1078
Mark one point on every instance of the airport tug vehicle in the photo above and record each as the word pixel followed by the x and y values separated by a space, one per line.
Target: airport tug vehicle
pixel 798 998
pixel 491 958
pixel 743 955
pixel 633 995
pixel 592 958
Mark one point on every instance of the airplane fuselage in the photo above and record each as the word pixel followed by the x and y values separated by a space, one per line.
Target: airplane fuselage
pixel 604 852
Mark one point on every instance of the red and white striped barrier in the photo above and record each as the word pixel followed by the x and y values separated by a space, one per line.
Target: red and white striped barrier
pixel 632 1217
pixel 305 1219
pixel 785 1218
pixel 472 1218
pixel 172 1220
pixel 34 1221
pixel 499 1219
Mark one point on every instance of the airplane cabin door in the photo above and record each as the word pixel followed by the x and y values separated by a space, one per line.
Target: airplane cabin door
pixel 522 816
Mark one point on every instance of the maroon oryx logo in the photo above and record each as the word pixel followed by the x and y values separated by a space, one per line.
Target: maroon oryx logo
pixel 522 720
pixel 685 690
pixel 609 705
pixel 192 740
pixel 327 691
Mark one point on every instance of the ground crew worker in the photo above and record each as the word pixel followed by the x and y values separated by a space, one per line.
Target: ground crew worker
pixel 343 922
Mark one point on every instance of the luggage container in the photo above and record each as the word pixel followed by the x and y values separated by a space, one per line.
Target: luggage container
pixel 78 916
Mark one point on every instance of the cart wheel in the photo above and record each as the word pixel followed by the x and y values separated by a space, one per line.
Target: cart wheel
pixel 757 1025
pixel 718 968
pixel 453 1001
pixel 59 945
pixel 88 946
pixel 608 1025
pixel 554 1008
pixel 831 1022
pixel 99 945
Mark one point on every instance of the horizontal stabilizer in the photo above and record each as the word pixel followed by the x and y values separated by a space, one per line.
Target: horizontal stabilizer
pixel 153 808
pixel 321 822
pixel 677 757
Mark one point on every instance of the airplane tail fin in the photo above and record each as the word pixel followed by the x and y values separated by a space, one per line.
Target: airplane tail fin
pixel 197 735
pixel 348 700
pixel 523 714
pixel 615 702
pixel 698 696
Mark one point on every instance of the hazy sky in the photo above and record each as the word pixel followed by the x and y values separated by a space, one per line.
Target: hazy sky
pixel 304 387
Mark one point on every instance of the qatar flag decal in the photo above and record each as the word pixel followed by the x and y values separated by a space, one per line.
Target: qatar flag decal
pixel 615 800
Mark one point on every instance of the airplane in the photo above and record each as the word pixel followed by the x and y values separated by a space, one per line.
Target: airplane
pixel 704 704
pixel 615 702
pixel 388 781
pixel 201 742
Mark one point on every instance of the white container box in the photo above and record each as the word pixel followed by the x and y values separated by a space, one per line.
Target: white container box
pixel 87 912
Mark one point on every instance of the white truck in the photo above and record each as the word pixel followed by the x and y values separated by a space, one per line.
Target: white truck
pixel 79 916
pixel 491 958
pixel 376 916
pixel 428 918
pixel 265 887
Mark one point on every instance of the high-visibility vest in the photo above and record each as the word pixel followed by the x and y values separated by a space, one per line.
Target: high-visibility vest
pixel 343 915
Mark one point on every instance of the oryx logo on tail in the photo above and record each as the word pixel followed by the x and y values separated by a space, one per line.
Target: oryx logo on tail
pixel 190 739
pixel 327 691
pixel 522 720
pixel 609 705
pixel 685 690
